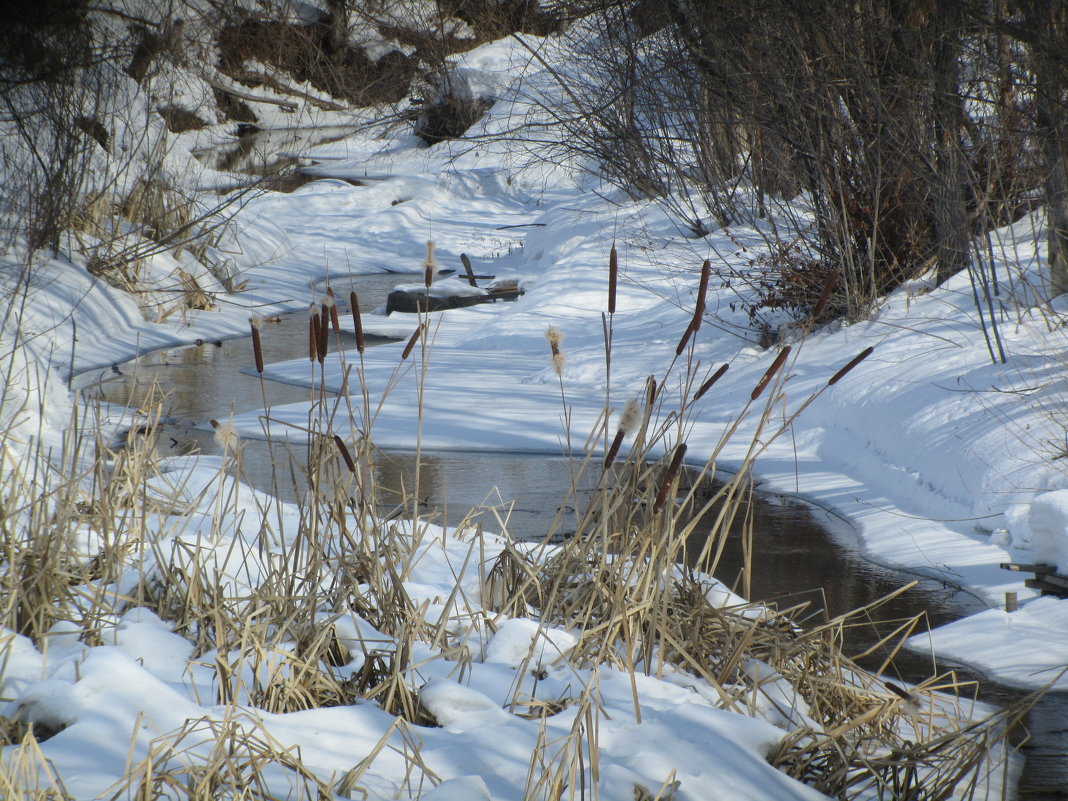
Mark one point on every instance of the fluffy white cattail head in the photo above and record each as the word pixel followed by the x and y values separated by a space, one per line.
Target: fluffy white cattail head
pixel 630 417
pixel 226 437
pixel 555 339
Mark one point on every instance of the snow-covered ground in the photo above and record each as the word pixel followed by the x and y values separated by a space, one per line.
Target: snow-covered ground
pixel 947 464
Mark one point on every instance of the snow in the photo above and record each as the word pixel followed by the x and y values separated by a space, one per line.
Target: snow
pixel 1048 521
pixel 945 463
pixel 445 288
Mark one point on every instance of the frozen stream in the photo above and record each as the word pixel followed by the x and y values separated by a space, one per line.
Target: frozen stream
pixel 801 553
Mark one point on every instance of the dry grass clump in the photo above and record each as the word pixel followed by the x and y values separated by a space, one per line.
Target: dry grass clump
pixel 230 758
pixel 634 583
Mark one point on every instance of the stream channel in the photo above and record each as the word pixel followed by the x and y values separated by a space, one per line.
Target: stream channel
pixel 801 553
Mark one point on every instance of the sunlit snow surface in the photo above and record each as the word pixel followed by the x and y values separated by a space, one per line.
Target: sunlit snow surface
pixel 930 449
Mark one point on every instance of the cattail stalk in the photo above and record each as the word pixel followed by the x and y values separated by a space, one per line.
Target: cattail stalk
pixel 257 346
pixel 702 290
pixel 411 342
pixel 708 384
pixel 771 371
pixel 825 296
pixel 324 329
pixel 331 302
pixel 351 465
pixel 613 272
pixel 669 477
pixel 685 338
pixel 428 265
pixel 357 321
pixel 613 450
pixel 628 422
pixel 313 335
pixel 864 354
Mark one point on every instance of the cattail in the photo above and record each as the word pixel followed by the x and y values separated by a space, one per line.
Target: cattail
pixel 825 296
pixel 257 347
pixel 613 450
pixel 628 421
pixel 629 417
pixel 330 302
pixel 357 321
pixel 411 342
pixel 225 437
pixel 685 338
pixel 613 271
pixel 708 384
pixel 324 328
pixel 650 391
pixel 864 354
pixel 555 338
pixel 428 265
pixel 669 477
pixel 771 371
pixel 345 453
pixel 313 334
pixel 702 290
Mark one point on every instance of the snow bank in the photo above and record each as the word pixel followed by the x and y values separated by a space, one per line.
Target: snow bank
pixel 1048 524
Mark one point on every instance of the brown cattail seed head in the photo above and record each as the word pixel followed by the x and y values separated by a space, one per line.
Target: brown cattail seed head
pixel 313 334
pixel 708 384
pixel 685 338
pixel 351 465
pixel 614 449
pixel 770 373
pixel 257 346
pixel 864 354
pixel 650 391
pixel 357 321
pixel 825 296
pixel 411 342
pixel 613 273
pixel 669 477
pixel 428 265
pixel 324 332
pixel 702 290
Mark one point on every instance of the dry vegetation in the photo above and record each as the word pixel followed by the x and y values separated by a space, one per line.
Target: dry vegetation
pixel 632 583
pixel 899 170
pixel 906 128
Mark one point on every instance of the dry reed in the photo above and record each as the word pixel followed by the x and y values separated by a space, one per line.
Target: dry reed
pixel 632 583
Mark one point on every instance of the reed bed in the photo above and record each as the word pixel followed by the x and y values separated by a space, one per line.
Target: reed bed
pixel 266 595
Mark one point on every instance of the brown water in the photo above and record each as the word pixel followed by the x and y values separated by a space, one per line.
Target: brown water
pixel 801 553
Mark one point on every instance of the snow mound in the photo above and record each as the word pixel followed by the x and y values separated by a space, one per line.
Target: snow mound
pixel 520 640
pixel 1048 520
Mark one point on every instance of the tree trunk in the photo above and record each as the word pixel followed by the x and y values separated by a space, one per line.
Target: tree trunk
pixel 950 210
pixel 1048 34
pixel 1052 131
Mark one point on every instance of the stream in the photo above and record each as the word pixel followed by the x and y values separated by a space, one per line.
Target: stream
pixel 801 553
